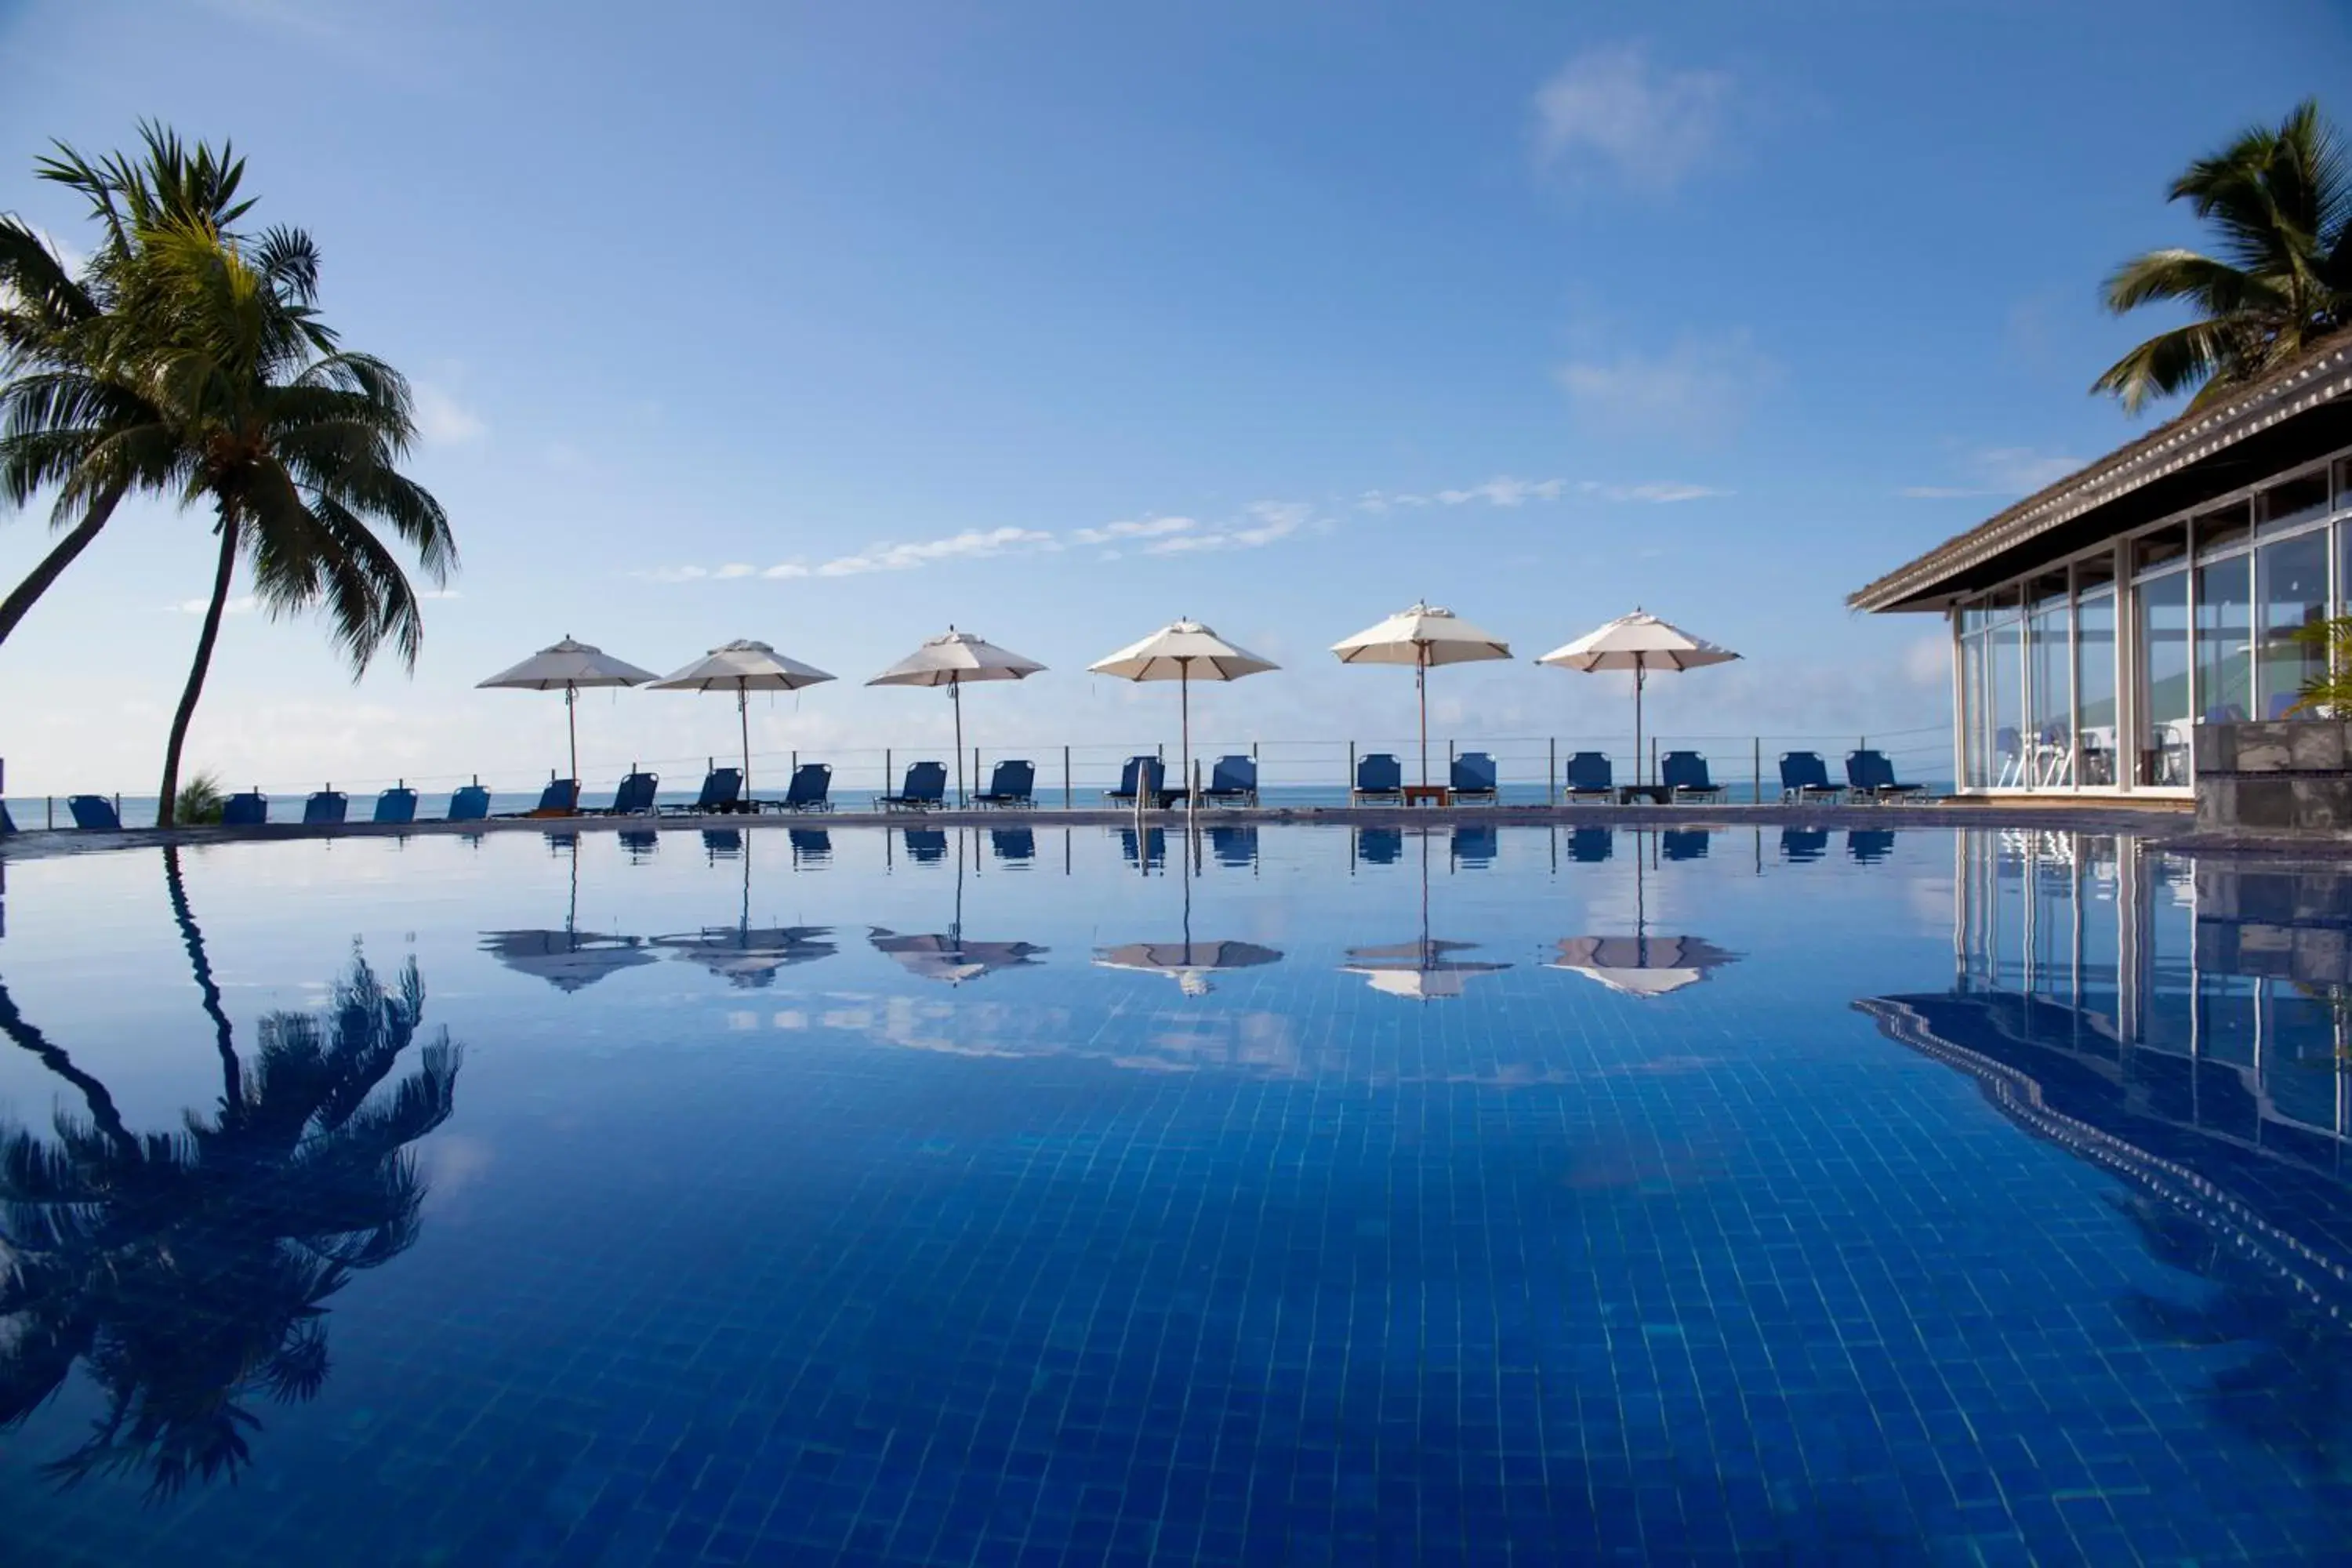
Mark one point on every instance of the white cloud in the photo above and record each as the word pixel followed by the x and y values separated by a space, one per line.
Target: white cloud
pixel 1927 662
pixel 1271 522
pixel 1504 490
pixel 676 574
pixel 2002 471
pixel 1700 388
pixel 735 569
pixel 443 421
pixel 1656 494
pixel 972 545
pixel 243 604
pixel 439 593
pixel 1146 528
pixel 1611 106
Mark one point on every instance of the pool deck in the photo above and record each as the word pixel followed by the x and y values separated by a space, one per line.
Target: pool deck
pixel 2169 824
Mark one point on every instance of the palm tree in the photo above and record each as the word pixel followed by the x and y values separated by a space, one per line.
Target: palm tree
pixel 189 1271
pixel 71 415
pixel 2281 204
pixel 202 371
pixel 292 443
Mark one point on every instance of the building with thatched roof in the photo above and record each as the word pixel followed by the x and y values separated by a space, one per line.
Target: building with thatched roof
pixel 2097 623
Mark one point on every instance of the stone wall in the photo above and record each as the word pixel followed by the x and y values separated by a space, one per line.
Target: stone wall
pixel 2291 777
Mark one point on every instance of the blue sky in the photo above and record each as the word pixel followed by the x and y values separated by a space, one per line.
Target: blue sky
pixel 831 325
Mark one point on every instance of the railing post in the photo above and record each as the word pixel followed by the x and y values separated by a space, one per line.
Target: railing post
pixel 1066 782
pixel 886 781
pixel 1758 799
pixel 1551 774
pixel 1351 773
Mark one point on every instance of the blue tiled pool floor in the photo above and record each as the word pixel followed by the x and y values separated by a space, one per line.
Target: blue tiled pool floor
pixel 1062 1263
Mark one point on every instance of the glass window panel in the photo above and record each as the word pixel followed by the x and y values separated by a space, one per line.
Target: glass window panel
pixel 2222 527
pixel 2290 591
pixel 2162 607
pixel 2094 571
pixel 2049 697
pixel 2046 590
pixel 2225 665
pixel 2293 501
pixel 2005 673
pixel 2094 690
pixel 1976 773
pixel 2152 550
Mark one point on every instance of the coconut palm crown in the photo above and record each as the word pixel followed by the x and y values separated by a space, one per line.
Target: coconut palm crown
pixel 2280 204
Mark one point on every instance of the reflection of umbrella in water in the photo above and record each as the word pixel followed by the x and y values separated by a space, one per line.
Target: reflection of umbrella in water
pixel 1420 969
pixel 567 959
pixel 1640 965
pixel 949 956
pixel 1190 962
pixel 746 955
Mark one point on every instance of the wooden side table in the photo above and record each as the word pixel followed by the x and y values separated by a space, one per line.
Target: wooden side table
pixel 1428 794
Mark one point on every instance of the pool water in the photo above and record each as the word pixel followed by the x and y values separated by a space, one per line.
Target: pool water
pixel 1071 1195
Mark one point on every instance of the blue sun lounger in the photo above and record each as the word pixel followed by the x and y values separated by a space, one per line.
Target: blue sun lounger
pixel 1233 781
pixel 925 789
pixel 1589 777
pixel 469 803
pixel 93 814
pixel 326 808
pixel 1869 774
pixel 810 789
pixel 634 798
pixel 1684 773
pixel 1012 784
pixel 250 809
pixel 397 804
pixel 722 791
pixel 560 798
pixel 1804 776
pixel 1142 779
pixel 1379 777
pixel 1474 776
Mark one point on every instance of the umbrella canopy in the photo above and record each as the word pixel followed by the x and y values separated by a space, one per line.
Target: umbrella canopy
pixel 1640 966
pixel 1419 970
pixel 570 667
pixel 748 956
pixel 1638 642
pixel 567 959
pixel 1184 652
pixel 954 659
pixel 1421 637
pixel 743 667
pixel 946 956
pixel 1189 962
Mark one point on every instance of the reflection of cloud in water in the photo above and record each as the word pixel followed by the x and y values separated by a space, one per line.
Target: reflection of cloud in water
pixel 450 1164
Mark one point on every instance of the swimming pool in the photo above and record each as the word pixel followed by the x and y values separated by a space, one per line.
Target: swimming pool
pixel 1292 1195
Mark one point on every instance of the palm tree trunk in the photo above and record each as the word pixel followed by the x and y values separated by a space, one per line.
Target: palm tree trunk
pixel 36 581
pixel 223 1038
pixel 196 688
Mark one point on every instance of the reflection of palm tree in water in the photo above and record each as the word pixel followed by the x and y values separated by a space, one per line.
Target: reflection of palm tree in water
pixel 189 1270
pixel 2294 1391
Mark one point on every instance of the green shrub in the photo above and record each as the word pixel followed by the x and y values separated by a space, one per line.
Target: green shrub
pixel 200 801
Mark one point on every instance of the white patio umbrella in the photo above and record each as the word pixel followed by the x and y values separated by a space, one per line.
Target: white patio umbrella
pixel 1184 652
pixel 952 659
pixel 1641 643
pixel 1421 636
pixel 571 668
pixel 743 667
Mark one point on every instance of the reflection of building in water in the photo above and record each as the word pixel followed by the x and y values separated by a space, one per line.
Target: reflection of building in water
pixel 2174 1026
pixel 2202 996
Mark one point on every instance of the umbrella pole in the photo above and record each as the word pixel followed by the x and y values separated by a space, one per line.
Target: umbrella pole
pixel 1421 686
pixel 955 696
pixel 1184 708
pixel 744 722
pixel 572 723
pixel 1640 771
